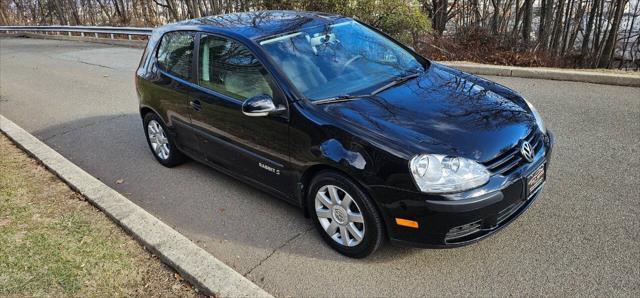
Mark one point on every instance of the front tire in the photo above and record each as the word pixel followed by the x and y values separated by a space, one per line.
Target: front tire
pixel 160 141
pixel 344 215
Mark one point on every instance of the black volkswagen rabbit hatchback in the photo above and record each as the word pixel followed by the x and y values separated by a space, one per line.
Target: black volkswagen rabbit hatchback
pixel 370 139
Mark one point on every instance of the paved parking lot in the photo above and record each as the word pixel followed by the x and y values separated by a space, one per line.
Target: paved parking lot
pixel 582 237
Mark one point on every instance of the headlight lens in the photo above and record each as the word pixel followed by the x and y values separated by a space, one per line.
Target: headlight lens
pixel 539 121
pixel 434 173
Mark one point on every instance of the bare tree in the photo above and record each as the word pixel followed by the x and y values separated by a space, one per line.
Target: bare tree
pixel 441 12
pixel 587 30
pixel 526 21
pixel 608 50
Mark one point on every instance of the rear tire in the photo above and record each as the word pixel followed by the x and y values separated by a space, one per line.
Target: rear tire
pixel 161 142
pixel 344 215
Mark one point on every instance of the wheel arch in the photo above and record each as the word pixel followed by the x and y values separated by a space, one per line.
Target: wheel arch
pixel 145 109
pixel 313 171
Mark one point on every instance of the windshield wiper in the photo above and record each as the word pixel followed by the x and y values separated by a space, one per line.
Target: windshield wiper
pixel 397 81
pixel 346 97
pixel 339 98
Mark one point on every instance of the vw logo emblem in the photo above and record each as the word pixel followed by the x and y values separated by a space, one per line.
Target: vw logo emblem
pixel 526 150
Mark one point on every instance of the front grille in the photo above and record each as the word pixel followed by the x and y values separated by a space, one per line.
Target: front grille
pixel 463 230
pixel 508 161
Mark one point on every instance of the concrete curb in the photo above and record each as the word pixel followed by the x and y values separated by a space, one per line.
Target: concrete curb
pixel 192 262
pixel 548 74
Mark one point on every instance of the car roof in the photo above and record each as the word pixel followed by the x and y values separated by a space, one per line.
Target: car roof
pixel 257 24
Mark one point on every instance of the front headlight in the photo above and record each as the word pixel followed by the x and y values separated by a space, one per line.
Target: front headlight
pixel 435 173
pixel 539 121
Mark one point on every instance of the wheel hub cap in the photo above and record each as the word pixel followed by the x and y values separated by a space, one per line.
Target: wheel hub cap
pixel 339 215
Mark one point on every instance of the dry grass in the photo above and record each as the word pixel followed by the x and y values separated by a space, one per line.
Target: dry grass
pixel 54 243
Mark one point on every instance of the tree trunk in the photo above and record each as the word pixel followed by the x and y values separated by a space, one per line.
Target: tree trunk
pixel 603 35
pixel 439 15
pixel 557 26
pixel 74 12
pixel 516 24
pixel 578 26
pixel 120 11
pixel 477 18
pixel 526 21
pixel 60 12
pixel 595 48
pixel 105 11
pixel 4 20
pixel 584 52
pixel 495 18
pixel 546 25
pixel 567 26
pixel 609 46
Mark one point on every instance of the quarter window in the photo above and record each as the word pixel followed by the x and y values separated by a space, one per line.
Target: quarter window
pixel 229 68
pixel 175 53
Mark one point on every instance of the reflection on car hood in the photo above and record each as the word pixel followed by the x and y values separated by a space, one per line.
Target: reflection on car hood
pixel 443 111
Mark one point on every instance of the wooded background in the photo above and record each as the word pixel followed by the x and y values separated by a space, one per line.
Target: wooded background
pixel 561 33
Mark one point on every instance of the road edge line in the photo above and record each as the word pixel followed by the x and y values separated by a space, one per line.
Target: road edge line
pixel 192 262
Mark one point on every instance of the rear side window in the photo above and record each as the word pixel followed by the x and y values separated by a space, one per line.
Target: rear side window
pixel 229 68
pixel 175 53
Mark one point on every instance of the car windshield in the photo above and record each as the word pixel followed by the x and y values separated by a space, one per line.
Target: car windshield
pixel 339 59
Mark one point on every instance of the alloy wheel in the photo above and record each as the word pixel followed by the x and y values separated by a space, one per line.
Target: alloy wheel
pixel 339 215
pixel 158 140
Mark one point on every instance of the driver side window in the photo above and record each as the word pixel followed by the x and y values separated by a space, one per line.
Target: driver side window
pixel 229 68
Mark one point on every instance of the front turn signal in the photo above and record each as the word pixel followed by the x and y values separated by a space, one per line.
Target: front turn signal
pixel 407 223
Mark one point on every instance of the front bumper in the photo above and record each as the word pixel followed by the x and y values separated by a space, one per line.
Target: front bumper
pixel 455 220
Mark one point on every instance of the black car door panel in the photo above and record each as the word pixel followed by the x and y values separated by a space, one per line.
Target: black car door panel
pixel 254 147
pixel 170 91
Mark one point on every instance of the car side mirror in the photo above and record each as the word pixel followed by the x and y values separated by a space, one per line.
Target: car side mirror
pixel 260 106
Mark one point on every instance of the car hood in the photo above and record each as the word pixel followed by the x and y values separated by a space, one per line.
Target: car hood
pixel 443 111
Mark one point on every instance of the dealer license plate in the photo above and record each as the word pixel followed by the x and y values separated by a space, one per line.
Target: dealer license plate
pixel 535 180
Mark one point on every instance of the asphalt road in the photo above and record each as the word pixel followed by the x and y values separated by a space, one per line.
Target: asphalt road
pixel 582 237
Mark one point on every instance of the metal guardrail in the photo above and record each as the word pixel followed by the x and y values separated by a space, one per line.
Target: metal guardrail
pixel 69 30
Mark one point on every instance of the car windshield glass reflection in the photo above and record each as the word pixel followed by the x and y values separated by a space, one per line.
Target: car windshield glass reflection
pixel 345 58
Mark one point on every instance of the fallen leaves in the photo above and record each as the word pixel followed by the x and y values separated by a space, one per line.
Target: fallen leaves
pixel 178 277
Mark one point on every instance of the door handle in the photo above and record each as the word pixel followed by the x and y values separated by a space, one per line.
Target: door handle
pixel 196 105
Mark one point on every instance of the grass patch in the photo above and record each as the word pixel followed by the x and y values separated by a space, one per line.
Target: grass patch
pixel 54 243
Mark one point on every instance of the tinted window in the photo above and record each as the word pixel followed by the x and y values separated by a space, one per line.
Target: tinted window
pixel 229 68
pixel 176 53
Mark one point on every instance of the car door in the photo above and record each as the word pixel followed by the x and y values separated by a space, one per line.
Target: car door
pixel 171 92
pixel 256 148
